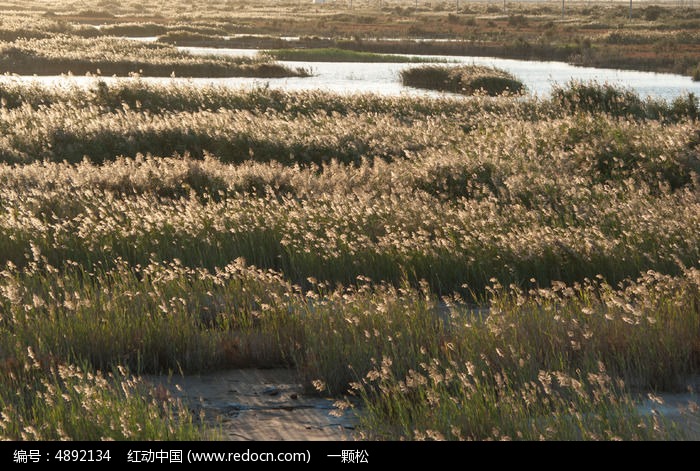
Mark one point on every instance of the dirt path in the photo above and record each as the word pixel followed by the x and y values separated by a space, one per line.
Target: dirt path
pixel 253 404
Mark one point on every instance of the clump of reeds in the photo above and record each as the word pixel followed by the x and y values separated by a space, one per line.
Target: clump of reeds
pixel 595 97
pixel 45 399
pixel 467 80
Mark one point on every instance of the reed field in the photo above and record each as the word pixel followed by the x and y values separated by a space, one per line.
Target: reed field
pixel 484 268
pixel 461 268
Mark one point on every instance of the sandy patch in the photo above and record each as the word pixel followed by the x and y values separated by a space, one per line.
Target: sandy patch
pixel 266 405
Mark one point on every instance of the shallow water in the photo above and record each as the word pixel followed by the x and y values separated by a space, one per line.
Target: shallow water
pixel 383 78
pixel 538 76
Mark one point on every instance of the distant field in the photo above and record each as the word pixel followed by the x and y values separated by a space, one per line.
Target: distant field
pixel 661 37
